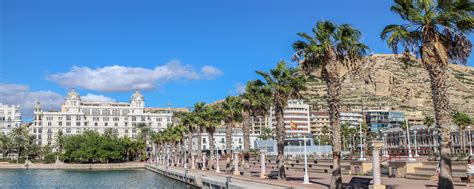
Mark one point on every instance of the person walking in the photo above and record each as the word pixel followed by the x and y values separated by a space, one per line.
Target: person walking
pixel 469 171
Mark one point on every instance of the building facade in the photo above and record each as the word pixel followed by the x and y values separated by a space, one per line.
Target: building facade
pixel 297 112
pixel 10 117
pixel 354 119
pixel 380 119
pixel 77 116
pixel 319 120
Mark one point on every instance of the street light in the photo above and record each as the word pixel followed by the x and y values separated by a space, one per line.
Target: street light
pixel 217 160
pixel 416 146
pixel 306 177
pixel 319 146
pixel 470 140
pixel 361 158
pixel 410 157
pixel 386 144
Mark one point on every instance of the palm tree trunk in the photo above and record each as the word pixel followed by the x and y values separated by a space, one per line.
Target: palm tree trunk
pixel 190 146
pixel 334 88
pixel 199 142
pixel 246 136
pixel 281 136
pixel 228 145
pixel 436 61
pixel 211 149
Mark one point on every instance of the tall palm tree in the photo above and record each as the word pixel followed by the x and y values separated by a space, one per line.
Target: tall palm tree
pixel 20 140
pixel 429 122
pixel 186 120
pixel 197 120
pixel 436 31
pixel 283 83
pixel 232 108
pixel 213 117
pixel 256 104
pixel 330 53
pixel 462 120
pixel 157 140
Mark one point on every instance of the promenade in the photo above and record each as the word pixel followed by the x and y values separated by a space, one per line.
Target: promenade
pixel 295 179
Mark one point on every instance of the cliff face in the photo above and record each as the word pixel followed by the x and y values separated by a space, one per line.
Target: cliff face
pixel 384 81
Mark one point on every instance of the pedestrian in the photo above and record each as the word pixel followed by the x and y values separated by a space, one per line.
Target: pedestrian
pixel 469 171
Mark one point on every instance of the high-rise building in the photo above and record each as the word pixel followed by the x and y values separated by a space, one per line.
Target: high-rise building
pixel 319 120
pixel 77 116
pixel 354 119
pixel 296 113
pixel 380 119
pixel 10 117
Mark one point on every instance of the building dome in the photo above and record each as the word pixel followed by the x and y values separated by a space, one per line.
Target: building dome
pixel 73 95
pixel 137 96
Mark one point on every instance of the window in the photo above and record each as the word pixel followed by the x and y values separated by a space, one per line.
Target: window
pixel 95 124
pixel 116 124
pixel 222 140
pixel 68 117
pixel 68 123
pixel 85 123
pixel 78 123
pixel 68 130
pixel 49 131
pixel 134 130
pixel 126 124
pixel 134 118
pixel 106 124
pixel 60 123
pixel 126 130
pixel 203 140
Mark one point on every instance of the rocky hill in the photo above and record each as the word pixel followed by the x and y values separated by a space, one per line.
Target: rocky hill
pixel 384 81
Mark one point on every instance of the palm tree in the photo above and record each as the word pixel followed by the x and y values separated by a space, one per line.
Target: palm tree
pixel 266 134
pixel 157 140
pixel 5 142
pixel 144 135
pixel 186 120
pixel 329 54
pixel 197 120
pixel 283 83
pixel 213 117
pixel 232 108
pixel 436 31
pixel 20 140
pixel 406 127
pixel 256 103
pixel 345 128
pixel 462 120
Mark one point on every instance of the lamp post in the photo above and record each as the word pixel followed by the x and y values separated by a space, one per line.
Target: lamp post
pixel 470 140
pixel 416 145
pixel 386 145
pixel 306 177
pixel 361 158
pixel 319 146
pixel 410 156
pixel 299 153
pixel 217 160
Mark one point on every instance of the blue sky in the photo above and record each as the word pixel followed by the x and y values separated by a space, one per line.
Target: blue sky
pixel 178 51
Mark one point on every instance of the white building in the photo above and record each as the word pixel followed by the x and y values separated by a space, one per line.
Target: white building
pixel 220 140
pixel 10 117
pixel 296 112
pixel 354 119
pixel 77 116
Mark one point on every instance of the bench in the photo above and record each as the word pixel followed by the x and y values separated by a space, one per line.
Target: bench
pixel 357 183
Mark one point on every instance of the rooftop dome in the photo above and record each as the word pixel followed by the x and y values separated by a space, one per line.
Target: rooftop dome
pixel 73 95
pixel 137 96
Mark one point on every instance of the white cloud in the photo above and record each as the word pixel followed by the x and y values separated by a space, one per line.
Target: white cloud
pixel 211 72
pixel 121 78
pixel 16 94
pixel 239 88
pixel 96 98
